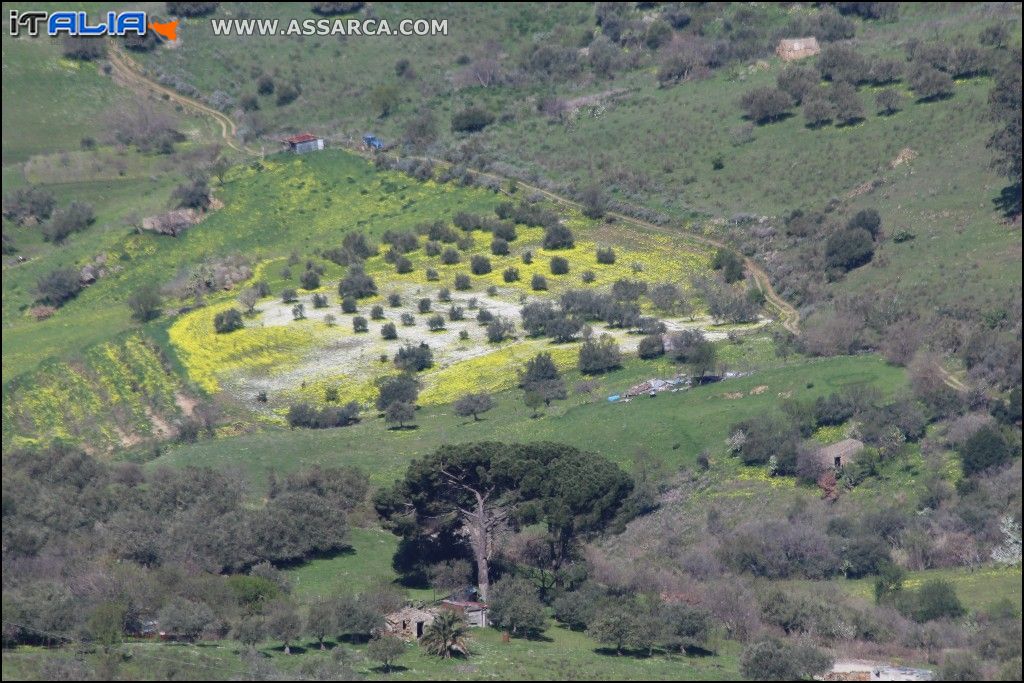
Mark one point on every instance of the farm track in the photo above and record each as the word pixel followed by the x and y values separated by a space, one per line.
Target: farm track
pixel 132 76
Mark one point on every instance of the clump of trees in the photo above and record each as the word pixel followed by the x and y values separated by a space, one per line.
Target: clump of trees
pixel 31 204
pixel 471 120
pixel 357 283
pixel 599 355
pixel 305 415
pixel 58 286
pixel 228 321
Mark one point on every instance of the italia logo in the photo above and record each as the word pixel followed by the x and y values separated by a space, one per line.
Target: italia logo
pixel 79 24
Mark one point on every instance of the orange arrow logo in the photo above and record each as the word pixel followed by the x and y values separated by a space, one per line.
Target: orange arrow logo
pixel 167 29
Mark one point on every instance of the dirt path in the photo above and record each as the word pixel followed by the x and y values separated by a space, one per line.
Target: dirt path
pixel 130 74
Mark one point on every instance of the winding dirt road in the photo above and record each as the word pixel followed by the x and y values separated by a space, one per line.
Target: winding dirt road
pixel 128 72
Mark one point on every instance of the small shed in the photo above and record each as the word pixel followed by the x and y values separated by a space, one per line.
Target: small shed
pixel 797 48
pixel 409 623
pixel 304 142
pixel 840 454
pixel 474 613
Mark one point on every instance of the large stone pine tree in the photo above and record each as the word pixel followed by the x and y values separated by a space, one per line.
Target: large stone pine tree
pixel 480 489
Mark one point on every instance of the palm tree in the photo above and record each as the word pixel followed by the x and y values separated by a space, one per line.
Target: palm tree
pixel 446 635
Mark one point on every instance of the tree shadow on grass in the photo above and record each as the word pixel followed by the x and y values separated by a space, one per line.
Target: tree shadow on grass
pixel 402 428
pixel 631 654
pixel 393 669
pixel 1009 201
pixel 295 649
pixel 532 637
pixel 319 555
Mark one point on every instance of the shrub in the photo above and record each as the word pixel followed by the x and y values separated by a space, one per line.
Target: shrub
pixel 415 358
pixel 85 48
pixel 538 283
pixel 396 389
pixel 849 249
pixel 797 81
pixel 527 257
pixel 145 303
pixel 305 415
pixel 504 230
pixel 595 202
pixel 473 405
pixel 471 120
pixel 628 290
pixel 320 301
pixel 842 63
pixel 394 300
pixel 403 265
pixel 228 321
pixel 357 283
pixel 408 319
pixel 432 275
pixel 444 295
pixel 435 323
pixel 450 256
pixel 847 104
pixel 360 324
pixel 818 111
pixel 349 305
pixel 599 355
pixel 888 101
pixel 558 237
pixel 399 413
pixel 985 449
pixel 388 331
pixel 499 329
pixel 432 248
pixel 480 265
pixel 776 660
pixel 309 280
pixel 499 246
pixel 77 217
pixel 930 84
pixel 463 283
pixel 456 313
pixel 424 305
pixel 28 203
pixel 935 599
pixel 510 274
pixel 515 607
pixel 730 263
pixel 484 316
pixel 559 265
pixel 866 219
pixel 605 255
pixel 764 105
pixel 651 346
pixel 588 276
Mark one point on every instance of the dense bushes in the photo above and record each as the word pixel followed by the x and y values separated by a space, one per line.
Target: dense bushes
pixel 764 105
pixel 305 415
pixel 599 355
pixel 471 120
pixel 58 286
pixel 228 321
pixel 849 249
